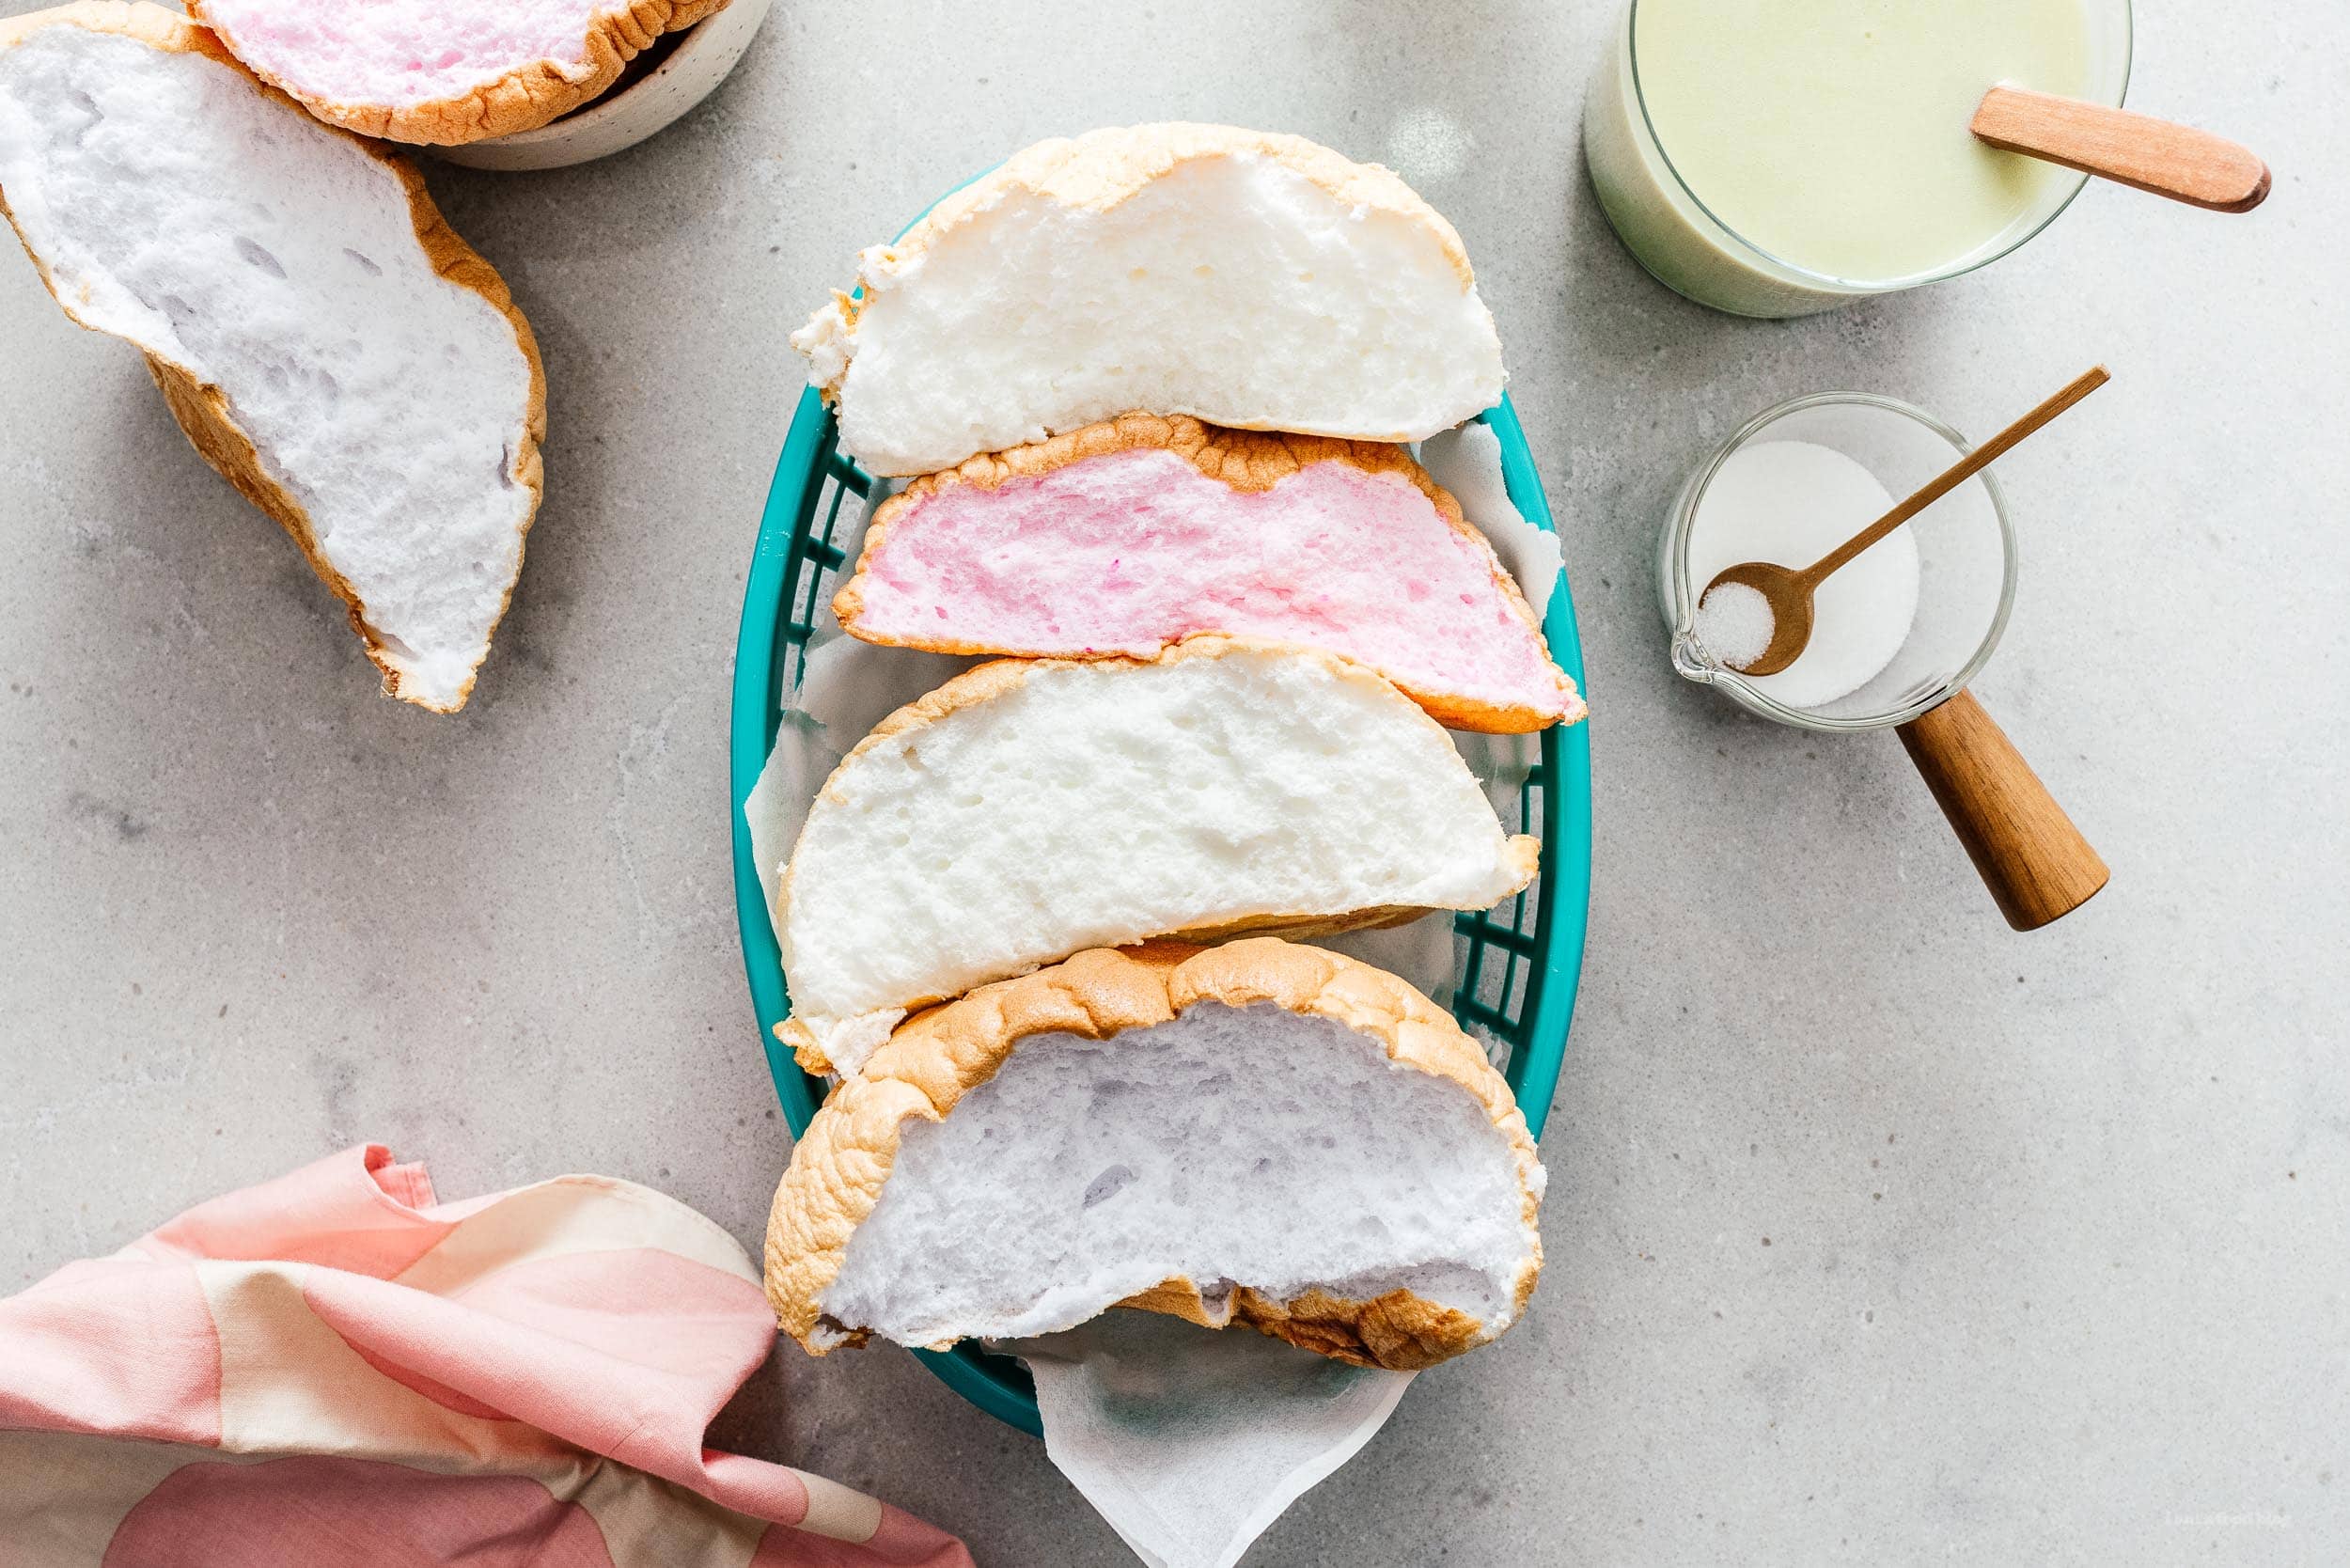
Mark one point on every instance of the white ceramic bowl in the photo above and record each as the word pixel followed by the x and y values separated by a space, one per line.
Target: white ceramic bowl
pixel 621 119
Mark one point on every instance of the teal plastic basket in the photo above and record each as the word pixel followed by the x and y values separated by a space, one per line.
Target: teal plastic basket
pixel 1519 963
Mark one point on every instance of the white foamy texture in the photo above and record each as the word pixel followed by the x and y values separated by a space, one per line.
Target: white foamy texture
pixel 403 52
pixel 1735 623
pixel 1096 805
pixel 1790 503
pixel 1230 1147
pixel 177 207
pixel 1231 288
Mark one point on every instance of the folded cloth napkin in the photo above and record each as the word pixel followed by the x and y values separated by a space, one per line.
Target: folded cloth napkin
pixel 335 1367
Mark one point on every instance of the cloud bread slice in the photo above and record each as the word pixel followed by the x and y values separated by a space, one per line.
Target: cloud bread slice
pixel 1254 280
pixel 1026 811
pixel 1127 536
pixel 323 337
pixel 444 70
pixel 1261 1133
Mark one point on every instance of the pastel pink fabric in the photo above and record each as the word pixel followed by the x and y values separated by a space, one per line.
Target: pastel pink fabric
pixel 278 1514
pixel 334 1366
pixel 1128 552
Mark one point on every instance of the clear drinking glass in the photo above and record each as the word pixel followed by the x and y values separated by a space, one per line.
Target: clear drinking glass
pixel 1966 553
pixel 1677 237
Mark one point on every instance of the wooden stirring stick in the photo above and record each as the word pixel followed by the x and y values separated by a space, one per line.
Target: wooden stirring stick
pixel 2137 150
pixel 1788 591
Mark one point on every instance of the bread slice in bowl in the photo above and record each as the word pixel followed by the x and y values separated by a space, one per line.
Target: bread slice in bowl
pixel 444 72
pixel 1028 810
pixel 1253 280
pixel 1126 537
pixel 320 333
pixel 1261 1134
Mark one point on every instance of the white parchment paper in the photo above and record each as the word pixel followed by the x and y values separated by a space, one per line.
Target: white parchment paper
pixel 1191 1441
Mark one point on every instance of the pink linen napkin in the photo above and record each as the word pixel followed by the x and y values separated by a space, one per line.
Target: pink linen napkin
pixel 335 1368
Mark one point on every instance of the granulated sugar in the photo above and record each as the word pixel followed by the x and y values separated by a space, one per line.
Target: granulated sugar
pixel 1735 623
pixel 1790 503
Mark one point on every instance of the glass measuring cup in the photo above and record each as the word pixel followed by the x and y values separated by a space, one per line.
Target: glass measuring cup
pixel 1966 556
pixel 2035 863
pixel 1688 245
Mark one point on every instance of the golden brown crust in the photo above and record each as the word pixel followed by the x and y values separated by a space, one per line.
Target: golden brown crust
pixel 1245 460
pixel 202 410
pixel 523 98
pixel 1002 677
pixel 843 1162
pixel 1397 1331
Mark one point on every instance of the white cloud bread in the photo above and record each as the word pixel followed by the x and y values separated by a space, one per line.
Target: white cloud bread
pixel 1262 1134
pixel 1252 280
pixel 1026 811
pixel 325 341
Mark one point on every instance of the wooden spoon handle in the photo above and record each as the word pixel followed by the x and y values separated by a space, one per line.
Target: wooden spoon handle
pixel 2033 859
pixel 1952 478
pixel 2149 154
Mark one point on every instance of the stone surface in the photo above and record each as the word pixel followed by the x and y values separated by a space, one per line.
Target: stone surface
pixel 1876 1232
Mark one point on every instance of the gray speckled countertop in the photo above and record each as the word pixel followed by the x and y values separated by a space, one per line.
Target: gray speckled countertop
pixel 1876 1232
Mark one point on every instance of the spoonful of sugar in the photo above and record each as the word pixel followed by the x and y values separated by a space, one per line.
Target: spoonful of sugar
pixel 1756 617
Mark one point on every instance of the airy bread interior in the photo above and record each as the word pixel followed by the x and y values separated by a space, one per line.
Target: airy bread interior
pixel 324 339
pixel 1127 536
pixel 1252 280
pixel 1231 1145
pixel 1026 810
pixel 444 70
pixel 1265 1134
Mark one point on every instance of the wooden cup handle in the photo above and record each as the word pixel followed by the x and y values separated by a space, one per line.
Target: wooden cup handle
pixel 2033 859
pixel 2138 150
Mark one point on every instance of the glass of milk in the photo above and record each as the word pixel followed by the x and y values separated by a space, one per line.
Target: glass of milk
pixel 1780 157
pixel 1899 629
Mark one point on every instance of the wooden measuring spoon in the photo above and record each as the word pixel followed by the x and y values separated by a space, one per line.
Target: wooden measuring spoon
pixel 1788 591
pixel 2137 150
